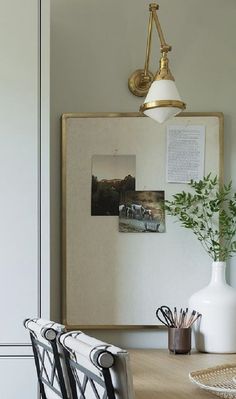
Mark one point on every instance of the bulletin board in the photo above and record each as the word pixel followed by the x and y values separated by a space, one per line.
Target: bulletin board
pixel 113 279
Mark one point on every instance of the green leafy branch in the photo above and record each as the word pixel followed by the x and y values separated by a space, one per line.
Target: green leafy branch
pixel 209 210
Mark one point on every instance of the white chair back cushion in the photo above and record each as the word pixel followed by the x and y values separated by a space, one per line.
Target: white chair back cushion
pixel 37 326
pixel 85 347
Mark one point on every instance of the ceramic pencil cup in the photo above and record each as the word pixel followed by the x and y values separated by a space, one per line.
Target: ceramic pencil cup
pixel 179 340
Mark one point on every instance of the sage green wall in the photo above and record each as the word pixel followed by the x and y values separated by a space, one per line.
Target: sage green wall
pixel 95 46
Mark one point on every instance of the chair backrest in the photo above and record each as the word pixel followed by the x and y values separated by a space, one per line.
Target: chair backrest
pixel 96 369
pixel 48 356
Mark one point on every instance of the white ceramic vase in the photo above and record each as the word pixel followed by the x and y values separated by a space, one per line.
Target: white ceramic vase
pixel 216 330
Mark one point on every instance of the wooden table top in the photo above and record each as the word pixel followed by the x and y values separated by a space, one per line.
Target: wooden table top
pixel 160 375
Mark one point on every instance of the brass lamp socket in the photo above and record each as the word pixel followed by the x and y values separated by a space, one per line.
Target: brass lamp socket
pixel 164 71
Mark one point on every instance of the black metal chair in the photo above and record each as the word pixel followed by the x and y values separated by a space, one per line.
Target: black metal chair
pixel 48 356
pixel 96 370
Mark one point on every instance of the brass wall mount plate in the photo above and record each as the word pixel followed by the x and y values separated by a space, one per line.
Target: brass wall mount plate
pixel 138 85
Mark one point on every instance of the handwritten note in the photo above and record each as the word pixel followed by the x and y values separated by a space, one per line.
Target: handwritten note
pixel 185 153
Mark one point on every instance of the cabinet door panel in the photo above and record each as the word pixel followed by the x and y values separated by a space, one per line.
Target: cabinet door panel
pixel 18 378
pixel 19 160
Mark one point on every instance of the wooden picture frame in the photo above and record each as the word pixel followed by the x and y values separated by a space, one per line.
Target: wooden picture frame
pixel 112 280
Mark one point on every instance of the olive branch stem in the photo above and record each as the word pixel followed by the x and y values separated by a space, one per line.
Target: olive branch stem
pixel 209 210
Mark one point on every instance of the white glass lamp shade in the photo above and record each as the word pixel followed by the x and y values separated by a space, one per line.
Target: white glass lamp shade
pixel 163 101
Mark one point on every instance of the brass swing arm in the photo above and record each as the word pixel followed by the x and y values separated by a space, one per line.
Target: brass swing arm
pixel 141 80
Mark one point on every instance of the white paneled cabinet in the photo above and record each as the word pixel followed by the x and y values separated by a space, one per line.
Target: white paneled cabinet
pixel 24 187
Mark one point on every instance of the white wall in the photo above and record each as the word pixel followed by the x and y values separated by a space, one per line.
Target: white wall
pixel 95 47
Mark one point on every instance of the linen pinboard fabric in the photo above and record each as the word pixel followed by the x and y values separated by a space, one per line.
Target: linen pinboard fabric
pixel 117 279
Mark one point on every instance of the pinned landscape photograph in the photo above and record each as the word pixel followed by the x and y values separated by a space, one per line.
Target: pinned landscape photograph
pixel 142 212
pixel 112 176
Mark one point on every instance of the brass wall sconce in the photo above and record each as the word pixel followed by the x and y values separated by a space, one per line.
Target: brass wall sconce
pixel 163 100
